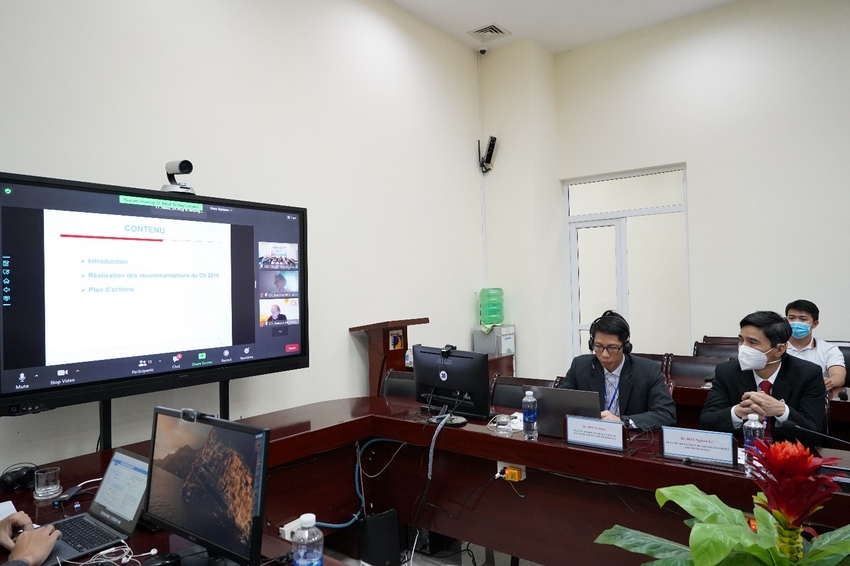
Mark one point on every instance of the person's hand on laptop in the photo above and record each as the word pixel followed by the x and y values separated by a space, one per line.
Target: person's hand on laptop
pixel 18 521
pixel 32 545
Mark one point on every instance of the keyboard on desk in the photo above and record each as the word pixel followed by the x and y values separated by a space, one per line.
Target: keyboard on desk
pixel 84 534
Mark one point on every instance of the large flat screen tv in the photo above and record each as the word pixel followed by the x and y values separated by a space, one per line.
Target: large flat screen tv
pixel 112 291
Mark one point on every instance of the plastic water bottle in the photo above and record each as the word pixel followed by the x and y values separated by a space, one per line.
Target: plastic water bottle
pixel 753 429
pixel 529 416
pixel 492 302
pixel 308 543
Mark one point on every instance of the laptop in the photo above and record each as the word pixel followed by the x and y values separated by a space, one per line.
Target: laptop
pixel 553 405
pixel 840 467
pixel 112 515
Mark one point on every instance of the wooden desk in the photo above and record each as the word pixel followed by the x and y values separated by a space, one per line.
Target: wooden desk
pixel 571 494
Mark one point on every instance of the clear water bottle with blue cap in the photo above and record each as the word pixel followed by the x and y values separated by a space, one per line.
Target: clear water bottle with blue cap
pixel 529 416
pixel 308 543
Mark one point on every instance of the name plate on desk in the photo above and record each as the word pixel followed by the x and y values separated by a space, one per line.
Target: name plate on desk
pixel 596 432
pixel 698 445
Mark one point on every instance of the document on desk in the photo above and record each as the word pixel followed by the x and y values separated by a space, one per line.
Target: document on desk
pixel 6 509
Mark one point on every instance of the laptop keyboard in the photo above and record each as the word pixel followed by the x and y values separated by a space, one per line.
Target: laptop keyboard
pixel 83 535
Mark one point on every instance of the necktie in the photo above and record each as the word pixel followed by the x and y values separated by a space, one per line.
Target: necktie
pixel 612 393
pixel 764 385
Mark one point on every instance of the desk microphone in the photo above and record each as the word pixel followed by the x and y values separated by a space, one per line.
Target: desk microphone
pixel 843 394
pixel 788 426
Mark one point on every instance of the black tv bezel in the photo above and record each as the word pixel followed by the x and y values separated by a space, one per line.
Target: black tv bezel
pixel 29 402
pixel 256 520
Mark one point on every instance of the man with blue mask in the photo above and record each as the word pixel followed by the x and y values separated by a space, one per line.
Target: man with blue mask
pixel 765 381
pixel 803 316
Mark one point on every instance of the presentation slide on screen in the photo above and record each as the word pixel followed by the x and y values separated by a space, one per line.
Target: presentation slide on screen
pixel 123 286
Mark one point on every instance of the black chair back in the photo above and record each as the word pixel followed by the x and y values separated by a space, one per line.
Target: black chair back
pixel 397 384
pixel 715 350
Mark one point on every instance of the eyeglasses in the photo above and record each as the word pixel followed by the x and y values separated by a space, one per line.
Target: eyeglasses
pixel 598 348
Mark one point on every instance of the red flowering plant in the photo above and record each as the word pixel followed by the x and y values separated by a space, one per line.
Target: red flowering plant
pixel 791 492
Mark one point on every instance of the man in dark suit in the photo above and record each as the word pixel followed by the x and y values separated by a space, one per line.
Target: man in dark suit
pixel 631 389
pixel 766 381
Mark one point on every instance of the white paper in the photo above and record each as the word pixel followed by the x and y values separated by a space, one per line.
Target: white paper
pixel 6 509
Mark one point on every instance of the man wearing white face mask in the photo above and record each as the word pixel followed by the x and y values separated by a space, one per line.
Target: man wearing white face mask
pixel 765 381
pixel 803 317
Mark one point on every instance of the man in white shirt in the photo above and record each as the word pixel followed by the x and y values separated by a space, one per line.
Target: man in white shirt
pixel 803 317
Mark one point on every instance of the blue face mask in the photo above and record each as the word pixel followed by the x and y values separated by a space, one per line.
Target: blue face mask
pixel 800 329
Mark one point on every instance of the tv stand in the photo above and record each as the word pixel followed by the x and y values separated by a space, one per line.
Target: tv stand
pixel 105 413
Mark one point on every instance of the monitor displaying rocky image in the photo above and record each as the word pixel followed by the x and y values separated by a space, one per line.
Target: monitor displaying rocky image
pixel 205 480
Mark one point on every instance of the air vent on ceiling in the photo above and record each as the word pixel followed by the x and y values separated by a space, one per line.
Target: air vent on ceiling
pixel 489 33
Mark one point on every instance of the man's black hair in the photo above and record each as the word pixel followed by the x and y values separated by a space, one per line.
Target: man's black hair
pixel 611 322
pixel 803 305
pixel 775 328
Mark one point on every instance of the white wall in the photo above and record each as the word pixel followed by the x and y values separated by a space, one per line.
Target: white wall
pixel 525 229
pixel 752 95
pixel 351 108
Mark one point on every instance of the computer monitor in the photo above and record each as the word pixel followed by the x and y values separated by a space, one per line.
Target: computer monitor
pixel 110 291
pixel 458 380
pixel 207 482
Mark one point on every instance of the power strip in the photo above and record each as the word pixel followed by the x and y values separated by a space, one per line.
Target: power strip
pixel 512 472
pixel 288 530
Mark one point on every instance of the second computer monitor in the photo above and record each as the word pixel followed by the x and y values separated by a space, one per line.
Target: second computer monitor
pixel 454 379
pixel 206 482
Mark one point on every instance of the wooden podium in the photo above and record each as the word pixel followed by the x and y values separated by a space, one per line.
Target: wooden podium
pixel 387 345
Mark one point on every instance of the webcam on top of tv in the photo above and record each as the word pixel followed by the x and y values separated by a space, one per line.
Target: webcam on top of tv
pixel 180 167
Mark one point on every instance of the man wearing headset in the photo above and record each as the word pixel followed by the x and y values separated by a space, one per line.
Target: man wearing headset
pixel 32 546
pixel 631 389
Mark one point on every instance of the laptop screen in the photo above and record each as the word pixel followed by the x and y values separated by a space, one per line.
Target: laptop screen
pixel 119 498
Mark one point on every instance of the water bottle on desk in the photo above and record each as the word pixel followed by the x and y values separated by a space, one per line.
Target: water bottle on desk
pixel 529 416
pixel 753 430
pixel 308 543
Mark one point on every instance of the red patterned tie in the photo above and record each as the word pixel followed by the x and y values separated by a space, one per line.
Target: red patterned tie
pixel 764 385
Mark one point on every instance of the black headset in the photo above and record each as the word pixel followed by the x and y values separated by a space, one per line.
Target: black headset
pixel 18 476
pixel 619 321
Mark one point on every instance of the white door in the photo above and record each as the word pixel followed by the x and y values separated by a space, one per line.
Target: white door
pixel 628 252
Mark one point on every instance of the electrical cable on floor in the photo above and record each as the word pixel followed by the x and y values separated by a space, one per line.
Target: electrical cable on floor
pixel 514 487
pixel 468 497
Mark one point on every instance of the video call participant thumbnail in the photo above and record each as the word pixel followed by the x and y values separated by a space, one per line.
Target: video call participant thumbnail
pixel 765 380
pixel 803 316
pixel 630 388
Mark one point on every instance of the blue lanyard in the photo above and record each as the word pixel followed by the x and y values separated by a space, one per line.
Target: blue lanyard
pixel 613 397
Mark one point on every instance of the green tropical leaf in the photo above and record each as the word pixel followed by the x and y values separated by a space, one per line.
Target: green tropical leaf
pixel 706 508
pixel 828 549
pixel 711 543
pixel 766 527
pixel 691 522
pixel 770 556
pixel 642 543
pixel 670 562
pixel 737 558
